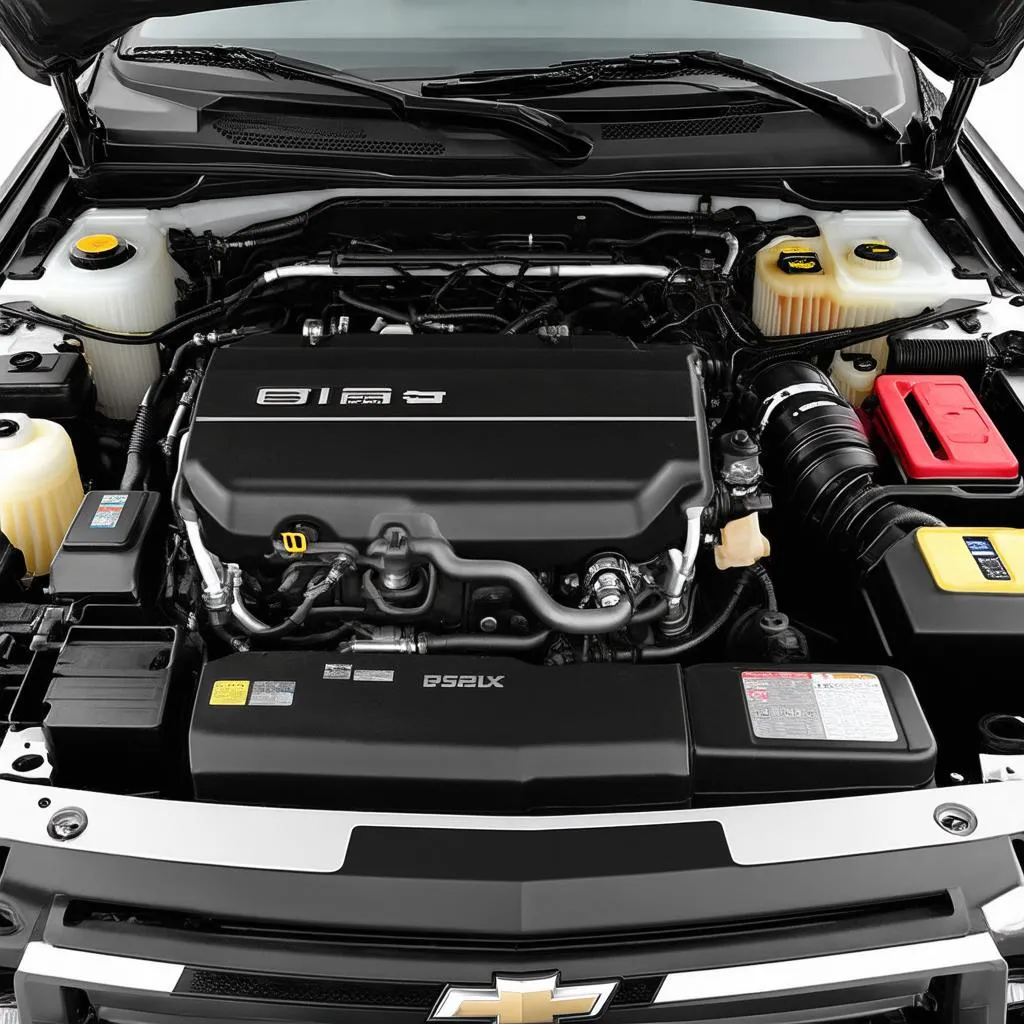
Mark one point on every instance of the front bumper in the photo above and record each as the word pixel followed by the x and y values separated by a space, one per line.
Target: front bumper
pixel 803 911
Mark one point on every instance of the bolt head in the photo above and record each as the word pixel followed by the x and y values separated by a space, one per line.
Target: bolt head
pixel 66 824
pixel 488 624
pixel 956 819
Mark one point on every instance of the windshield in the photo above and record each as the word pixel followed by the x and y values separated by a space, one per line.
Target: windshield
pixel 431 38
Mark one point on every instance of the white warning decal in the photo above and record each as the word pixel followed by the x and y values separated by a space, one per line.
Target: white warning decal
pixel 830 706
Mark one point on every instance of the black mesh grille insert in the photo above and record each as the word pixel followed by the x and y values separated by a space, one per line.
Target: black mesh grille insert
pixel 369 994
pixel 270 133
pixel 734 124
pixel 278 989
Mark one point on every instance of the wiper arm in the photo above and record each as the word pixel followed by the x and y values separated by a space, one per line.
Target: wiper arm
pixel 544 131
pixel 602 72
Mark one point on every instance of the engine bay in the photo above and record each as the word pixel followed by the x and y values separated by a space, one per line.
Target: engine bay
pixel 506 505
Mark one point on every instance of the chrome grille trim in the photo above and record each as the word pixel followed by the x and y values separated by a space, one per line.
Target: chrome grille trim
pixel 920 958
pixel 84 968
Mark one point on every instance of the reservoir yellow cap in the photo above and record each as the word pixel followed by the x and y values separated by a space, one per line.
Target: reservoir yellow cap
pixel 100 251
pixel 97 243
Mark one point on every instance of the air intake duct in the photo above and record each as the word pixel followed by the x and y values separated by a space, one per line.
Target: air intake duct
pixel 822 466
pixel 966 356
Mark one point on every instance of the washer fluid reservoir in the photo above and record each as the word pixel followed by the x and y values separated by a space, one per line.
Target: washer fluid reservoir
pixel 40 489
pixel 111 270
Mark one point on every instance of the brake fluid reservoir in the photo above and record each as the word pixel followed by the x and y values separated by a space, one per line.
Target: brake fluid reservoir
pixel 112 271
pixel 854 374
pixel 40 489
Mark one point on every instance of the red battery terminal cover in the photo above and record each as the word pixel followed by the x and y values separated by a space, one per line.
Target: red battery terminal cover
pixel 938 429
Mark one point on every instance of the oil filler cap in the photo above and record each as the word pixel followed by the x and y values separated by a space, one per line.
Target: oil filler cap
pixel 100 252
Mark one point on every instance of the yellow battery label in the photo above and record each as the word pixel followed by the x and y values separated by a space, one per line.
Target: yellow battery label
pixel 230 692
pixel 974 561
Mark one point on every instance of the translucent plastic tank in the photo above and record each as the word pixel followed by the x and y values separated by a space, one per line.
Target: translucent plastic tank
pixel 863 269
pixel 854 374
pixel 111 270
pixel 40 489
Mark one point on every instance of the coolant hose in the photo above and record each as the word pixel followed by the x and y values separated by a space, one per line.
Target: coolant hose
pixel 707 632
pixel 578 621
pixel 484 643
pixel 819 459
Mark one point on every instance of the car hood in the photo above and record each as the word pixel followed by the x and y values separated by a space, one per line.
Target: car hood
pixel 977 38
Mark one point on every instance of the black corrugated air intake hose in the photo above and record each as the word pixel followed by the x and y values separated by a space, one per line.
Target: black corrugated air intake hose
pixel 822 465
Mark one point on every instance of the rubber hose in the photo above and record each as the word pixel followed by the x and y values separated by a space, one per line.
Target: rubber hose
pixel 534 318
pixel 462 318
pixel 966 356
pixel 819 458
pixel 138 444
pixel 667 653
pixel 767 586
pixel 485 643
pixel 1002 734
pixel 577 621
pixel 656 611
pixel 289 625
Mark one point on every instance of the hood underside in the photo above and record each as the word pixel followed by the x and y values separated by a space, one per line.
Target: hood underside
pixel 953 38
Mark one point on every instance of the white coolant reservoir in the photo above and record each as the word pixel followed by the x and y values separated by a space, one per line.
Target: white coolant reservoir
pixel 111 271
pixel 40 489
pixel 864 268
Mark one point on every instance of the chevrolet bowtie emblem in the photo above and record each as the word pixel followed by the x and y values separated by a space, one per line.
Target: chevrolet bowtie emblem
pixel 535 999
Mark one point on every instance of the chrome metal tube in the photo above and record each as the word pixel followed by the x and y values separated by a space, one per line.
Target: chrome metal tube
pixel 550 270
pixel 215 594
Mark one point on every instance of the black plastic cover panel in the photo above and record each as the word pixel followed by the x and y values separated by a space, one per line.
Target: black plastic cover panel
pixel 438 733
pixel 512 447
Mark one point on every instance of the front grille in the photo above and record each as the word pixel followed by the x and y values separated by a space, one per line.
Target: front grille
pixel 881 915
pixel 314 991
pixel 733 124
pixel 632 992
pixel 295 136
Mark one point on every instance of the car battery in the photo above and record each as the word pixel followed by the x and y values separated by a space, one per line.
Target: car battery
pixel 438 733
pixel 778 732
pixel 951 600
pixel 938 430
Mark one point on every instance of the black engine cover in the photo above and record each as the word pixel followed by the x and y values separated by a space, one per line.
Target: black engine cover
pixel 513 447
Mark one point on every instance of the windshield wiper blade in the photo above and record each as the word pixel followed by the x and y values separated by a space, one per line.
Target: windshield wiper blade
pixel 545 132
pixel 638 68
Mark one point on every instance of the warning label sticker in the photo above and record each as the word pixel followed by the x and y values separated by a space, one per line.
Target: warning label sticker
pixel 272 693
pixel 229 692
pixel 373 675
pixel 108 512
pixel 335 671
pixel 842 706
